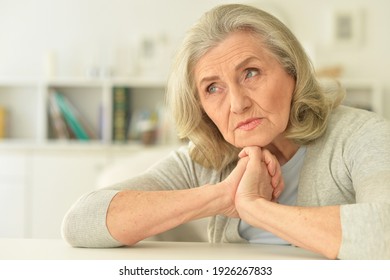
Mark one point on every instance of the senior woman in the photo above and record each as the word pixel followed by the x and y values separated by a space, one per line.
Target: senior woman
pixel 243 91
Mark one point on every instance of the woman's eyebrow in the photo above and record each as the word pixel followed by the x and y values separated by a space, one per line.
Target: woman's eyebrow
pixel 207 80
pixel 245 62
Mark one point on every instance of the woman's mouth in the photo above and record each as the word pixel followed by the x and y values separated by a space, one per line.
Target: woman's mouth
pixel 248 124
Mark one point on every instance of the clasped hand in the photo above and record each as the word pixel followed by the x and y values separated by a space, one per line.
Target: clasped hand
pixel 257 175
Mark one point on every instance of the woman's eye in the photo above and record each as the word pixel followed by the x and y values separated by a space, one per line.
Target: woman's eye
pixel 212 89
pixel 251 73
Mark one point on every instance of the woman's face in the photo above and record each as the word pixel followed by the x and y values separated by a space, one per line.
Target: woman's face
pixel 245 91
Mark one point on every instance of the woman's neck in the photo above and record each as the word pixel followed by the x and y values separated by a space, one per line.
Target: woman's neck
pixel 283 149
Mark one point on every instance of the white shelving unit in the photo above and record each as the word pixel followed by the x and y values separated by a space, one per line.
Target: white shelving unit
pixel 40 177
pixel 26 103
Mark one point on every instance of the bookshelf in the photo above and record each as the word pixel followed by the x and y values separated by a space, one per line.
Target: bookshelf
pixel 26 103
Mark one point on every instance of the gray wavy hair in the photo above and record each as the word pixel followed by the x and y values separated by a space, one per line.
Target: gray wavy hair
pixel 310 106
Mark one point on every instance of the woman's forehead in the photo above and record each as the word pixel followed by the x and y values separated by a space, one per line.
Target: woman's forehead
pixel 235 50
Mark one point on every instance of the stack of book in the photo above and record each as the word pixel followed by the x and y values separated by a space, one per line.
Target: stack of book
pixel 66 122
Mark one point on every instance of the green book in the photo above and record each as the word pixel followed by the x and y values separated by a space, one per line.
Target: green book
pixel 70 118
pixel 120 114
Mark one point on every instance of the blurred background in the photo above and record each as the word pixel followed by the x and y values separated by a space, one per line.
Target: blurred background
pixel 118 35
pixel 109 61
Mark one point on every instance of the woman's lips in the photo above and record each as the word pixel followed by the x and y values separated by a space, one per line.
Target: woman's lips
pixel 248 124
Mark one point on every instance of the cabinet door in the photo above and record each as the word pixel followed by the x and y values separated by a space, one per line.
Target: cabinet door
pixel 13 190
pixel 58 180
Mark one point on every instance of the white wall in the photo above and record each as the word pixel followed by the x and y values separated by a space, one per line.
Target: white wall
pixel 82 34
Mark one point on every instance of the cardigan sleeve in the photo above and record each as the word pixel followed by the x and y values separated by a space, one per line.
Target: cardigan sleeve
pixel 366 223
pixel 366 231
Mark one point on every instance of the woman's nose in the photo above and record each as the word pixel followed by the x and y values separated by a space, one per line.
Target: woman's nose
pixel 239 101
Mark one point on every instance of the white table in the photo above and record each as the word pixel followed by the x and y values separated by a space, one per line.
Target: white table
pixel 53 249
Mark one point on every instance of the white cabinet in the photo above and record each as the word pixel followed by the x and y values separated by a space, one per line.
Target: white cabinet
pixel 14 173
pixel 39 183
pixel 59 178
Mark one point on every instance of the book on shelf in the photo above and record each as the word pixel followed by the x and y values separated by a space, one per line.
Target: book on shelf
pixel 3 122
pixel 58 124
pixel 120 113
pixel 82 120
pixel 67 120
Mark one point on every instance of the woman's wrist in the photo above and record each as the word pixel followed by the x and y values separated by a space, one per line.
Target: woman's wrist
pixel 251 207
pixel 225 200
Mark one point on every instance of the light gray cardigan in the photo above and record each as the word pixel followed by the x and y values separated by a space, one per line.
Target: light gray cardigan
pixel 348 166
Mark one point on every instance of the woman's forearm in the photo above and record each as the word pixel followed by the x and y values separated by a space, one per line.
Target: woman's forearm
pixel 314 228
pixel 135 215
